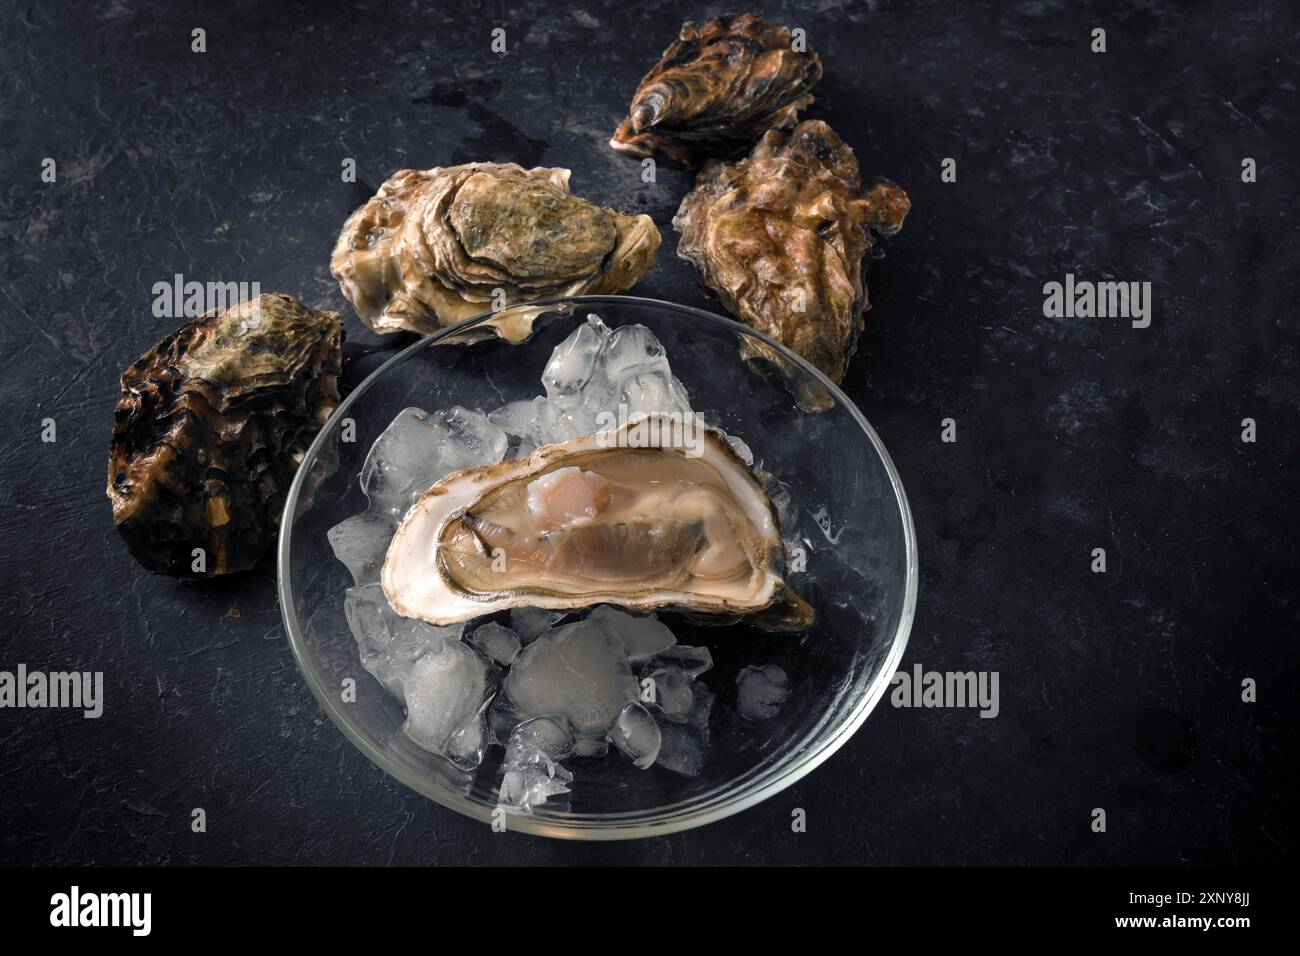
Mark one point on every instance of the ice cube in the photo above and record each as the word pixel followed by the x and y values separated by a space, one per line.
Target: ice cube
pixel 680 750
pixel 411 641
pixel 530 622
pixel 673 693
pixel 701 710
pixel 466 744
pixel 534 422
pixel 760 692
pixel 517 418
pixel 693 660
pixel 633 350
pixel 361 542
pixel 418 448
pixel 368 615
pixel 653 392
pixel 532 772
pixel 501 719
pixel 581 420
pixel 595 378
pixel 400 460
pixel 443 690
pixel 642 636
pixel 590 747
pixel 543 734
pixel 573 362
pixel 389 643
pixel 636 734
pixel 499 643
pixel 635 376
pixel 472 439
pixel 521 790
pixel 577 673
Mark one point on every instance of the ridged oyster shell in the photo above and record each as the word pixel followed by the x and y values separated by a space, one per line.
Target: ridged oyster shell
pixel 434 247
pixel 210 428
pixel 782 237
pixel 716 89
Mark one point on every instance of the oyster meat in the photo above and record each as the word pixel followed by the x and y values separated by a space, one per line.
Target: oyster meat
pixel 782 237
pixel 643 516
pixel 436 246
pixel 717 88
pixel 210 428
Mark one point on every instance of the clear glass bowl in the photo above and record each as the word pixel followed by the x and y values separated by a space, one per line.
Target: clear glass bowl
pixel 849 508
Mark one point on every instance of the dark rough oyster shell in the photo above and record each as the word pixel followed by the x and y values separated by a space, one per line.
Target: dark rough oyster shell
pixel 717 89
pixel 782 235
pixel 433 246
pixel 211 426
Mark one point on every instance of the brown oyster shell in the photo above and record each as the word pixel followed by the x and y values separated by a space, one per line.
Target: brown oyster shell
pixel 717 88
pixel 791 222
pixel 432 246
pixel 210 428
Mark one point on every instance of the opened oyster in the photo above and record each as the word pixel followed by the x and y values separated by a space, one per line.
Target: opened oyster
pixel 782 235
pixel 434 247
pixel 717 88
pixel 210 428
pixel 652 514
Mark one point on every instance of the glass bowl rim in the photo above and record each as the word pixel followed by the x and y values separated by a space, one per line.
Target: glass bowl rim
pixel 638 824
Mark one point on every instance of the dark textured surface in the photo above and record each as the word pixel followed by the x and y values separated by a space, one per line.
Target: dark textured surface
pixel 1072 433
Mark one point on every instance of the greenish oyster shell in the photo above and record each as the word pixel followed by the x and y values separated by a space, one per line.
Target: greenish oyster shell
pixel 210 428
pixel 716 89
pixel 435 247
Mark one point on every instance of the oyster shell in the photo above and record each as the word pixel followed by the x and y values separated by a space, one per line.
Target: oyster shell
pixel 717 88
pixel 210 428
pixel 643 516
pixel 433 246
pixel 782 236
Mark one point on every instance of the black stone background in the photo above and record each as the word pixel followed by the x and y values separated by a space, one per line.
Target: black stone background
pixel 1072 434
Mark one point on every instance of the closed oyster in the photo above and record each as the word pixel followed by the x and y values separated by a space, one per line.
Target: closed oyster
pixel 210 428
pixel 434 247
pixel 717 88
pixel 782 235
pixel 652 514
